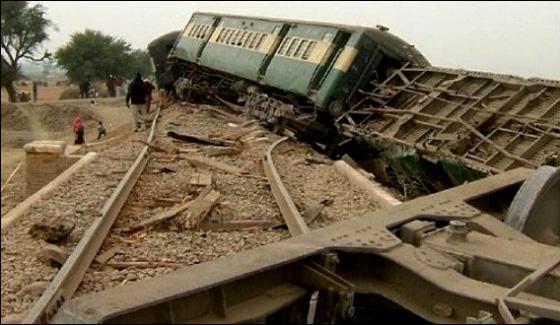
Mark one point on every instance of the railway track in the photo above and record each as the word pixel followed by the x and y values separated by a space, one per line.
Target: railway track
pixel 79 276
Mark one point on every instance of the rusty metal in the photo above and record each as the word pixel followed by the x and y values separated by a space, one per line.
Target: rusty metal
pixel 293 218
pixel 69 277
pixel 498 122
pixel 440 271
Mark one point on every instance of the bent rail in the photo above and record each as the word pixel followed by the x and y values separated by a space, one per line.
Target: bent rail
pixel 295 222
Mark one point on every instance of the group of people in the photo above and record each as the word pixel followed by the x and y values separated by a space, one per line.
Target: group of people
pixel 139 95
pixel 79 130
pixel 115 86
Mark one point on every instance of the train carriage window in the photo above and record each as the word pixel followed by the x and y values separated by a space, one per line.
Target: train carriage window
pixel 292 47
pixel 230 36
pixel 282 47
pixel 227 35
pixel 189 30
pixel 300 48
pixel 254 41
pixel 220 36
pixel 236 37
pixel 276 30
pixel 200 31
pixel 247 40
pixel 308 50
pixel 243 38
pixel 260 41
pixel 250 40
pixel 193 30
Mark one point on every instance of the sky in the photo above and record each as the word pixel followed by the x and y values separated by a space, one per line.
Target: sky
pixel 519 38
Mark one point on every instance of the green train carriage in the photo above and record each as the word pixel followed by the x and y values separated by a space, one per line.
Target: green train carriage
pixel 312 64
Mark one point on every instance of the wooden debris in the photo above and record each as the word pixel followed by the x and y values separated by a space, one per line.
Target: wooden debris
pixel 199 161
pixel 201 179
pixel 167 200
pixel 238 135
pixel 107 255
pixel 10 177
pixel 313 211
pixel 51 233
pixel 188 150
pixel 237 225
pixel 199 210
pixel 199 139
pixel 159 218
pixel 35 289
pixel 318 160
pixel 52 254
pixel 221 151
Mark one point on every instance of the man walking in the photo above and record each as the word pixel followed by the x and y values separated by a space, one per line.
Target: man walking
pixel 136 96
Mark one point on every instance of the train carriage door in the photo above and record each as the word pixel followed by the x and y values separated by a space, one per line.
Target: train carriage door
pixel 338 43
pixel 208 33
pixel 279 33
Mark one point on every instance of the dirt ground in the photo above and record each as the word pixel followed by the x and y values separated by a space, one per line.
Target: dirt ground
pixel 26 122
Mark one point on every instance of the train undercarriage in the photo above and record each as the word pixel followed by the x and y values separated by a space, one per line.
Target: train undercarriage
pixel 422 130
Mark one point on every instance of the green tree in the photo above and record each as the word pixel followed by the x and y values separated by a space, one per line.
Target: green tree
pixel 92 55
pixel 139 62
pixel 24 29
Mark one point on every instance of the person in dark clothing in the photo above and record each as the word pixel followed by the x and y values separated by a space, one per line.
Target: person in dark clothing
pixel 35 85
pixel 149 89
pixel 136 95
pixel 84 89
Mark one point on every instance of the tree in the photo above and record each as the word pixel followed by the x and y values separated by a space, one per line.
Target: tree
pixel 140 62
pixel 24 29
pixel 92 55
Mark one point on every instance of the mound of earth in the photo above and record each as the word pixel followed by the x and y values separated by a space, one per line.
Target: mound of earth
pixel 13 118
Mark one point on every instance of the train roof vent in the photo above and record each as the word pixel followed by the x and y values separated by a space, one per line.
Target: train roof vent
pixel 382 28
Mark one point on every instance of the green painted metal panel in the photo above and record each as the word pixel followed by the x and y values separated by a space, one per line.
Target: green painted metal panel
pixel 289 74
pixel 236 61
pixel 329 88
pixel 459 173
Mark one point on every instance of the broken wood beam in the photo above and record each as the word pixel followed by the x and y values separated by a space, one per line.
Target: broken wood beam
pixel 159 218
pixel 199 139
pixel 372 189
pixel 11 176
pixel 107 255
pixel 199 210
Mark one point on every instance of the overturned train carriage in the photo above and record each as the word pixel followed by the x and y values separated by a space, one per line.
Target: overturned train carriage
pixel 366 92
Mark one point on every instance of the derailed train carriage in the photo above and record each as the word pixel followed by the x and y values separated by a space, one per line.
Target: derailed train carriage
pixel 365 92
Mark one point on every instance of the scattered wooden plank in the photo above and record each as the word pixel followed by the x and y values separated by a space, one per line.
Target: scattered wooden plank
pixel 221 151
pixel 199 161
pixel 10 177
pixel 238 135
pixel 201 179
pixel 199 210
pixel 167 200
pixel 107 255
pixel 188 150
pixel 159 218
pixel 318 160
pixel 199 139
pixel 313 211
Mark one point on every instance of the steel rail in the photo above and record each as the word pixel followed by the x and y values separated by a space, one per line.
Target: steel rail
pixel 69 277
pixel 296 224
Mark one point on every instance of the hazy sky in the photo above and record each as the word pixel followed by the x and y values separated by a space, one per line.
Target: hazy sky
pixel 520 38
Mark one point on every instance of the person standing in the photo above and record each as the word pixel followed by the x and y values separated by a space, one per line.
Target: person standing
pixel 149 89
pixel 84 89
pixel 35 85
pixel 101 130
pixel 111 86
pixel 79 129
pixel 136 95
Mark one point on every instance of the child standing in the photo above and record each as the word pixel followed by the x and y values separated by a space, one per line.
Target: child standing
pixel 101 131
